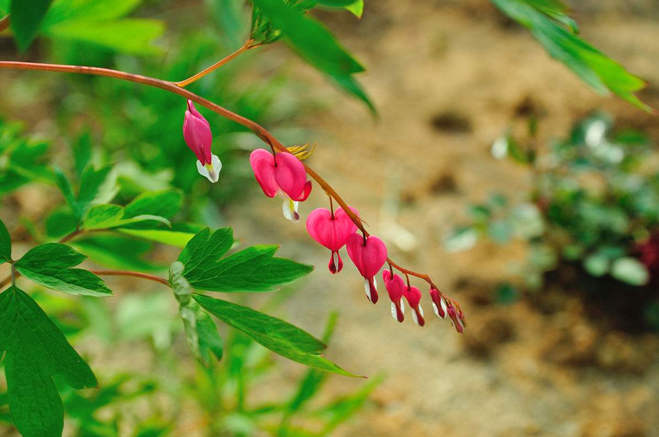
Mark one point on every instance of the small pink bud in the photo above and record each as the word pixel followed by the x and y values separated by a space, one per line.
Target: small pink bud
pixel 285 176
pixel 396 289
pixel 455 317
pixel 438 303
pixel 198 137
pixel 368 255
pixel 413 296
pixel 332 232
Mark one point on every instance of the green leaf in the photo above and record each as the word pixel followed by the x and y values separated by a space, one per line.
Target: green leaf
pixel 5 244
pixel 88 10
pixel 130 35
pixel 26 16
pixel 166 203
pixel 275 334
pixel 96 187
pixel 172 237
pixel 254 269
pixel 597 264
pixel 630 270
pixel 200 329
pixel 357 8
pixel 50 265
pixel 36 350
pixel 311 40
pixel 599 71
pixel 117 252
pixel 67 191
pixel 113 216
pixel 59 223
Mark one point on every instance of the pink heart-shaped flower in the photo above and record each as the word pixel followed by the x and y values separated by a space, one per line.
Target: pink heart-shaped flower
pixel 287 174
pixel 332 232
pixel 413 296
pixel 368 255
pixel 396 289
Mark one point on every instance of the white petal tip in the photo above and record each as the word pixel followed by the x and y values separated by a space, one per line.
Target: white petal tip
pixel 211 171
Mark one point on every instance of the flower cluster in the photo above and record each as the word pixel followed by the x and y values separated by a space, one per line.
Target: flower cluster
pixel 285 175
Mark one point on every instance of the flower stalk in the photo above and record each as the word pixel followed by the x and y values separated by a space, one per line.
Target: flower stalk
pixel 258 130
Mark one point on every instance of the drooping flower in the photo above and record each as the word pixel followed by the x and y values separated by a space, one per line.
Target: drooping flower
pixel 457 318
pixel 284 175
pixel 368 255
pixel 332 231
pixel 413 296
pixel 396 289
pixel 198 137
pixel 438 303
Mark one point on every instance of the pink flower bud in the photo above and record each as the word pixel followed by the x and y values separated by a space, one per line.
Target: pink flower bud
pixel 198 137
pixel 368 255
pixel 332 232
pixel 396 289
pixel 438 303
pixel 456 319
pixel 413 296
pixel 286 176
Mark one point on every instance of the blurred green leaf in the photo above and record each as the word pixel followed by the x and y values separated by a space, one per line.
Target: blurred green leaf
pixel 460 239
pixel 597 264
pixel 275 334
pixel 67 191
pixel 357 8
pixel 26 16
pixel 310 39
pixel 50 265
pixel 96 187
pixel 117 252
pixel 343 409
pixel 630 270
pixel 5 244
pixel 114 216
pixel 545 19
pixel 165 203
pixel 36 350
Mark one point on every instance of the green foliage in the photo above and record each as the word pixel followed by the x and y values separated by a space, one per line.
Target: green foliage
pixel 546 20
pixel 276 335
pixel 36 350
pixel 254 269
pixel 22 160
pixel 50 265
pixel 26 16
pixel 594 200
pixel 310 39
pixel 5 244
pixel 86 21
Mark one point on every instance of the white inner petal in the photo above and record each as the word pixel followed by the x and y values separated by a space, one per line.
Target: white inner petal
pixel 394 313
pixel 212 171
pixel 435 309
pixel 421 310
pixel 415 317
pixel 402 306
pixel 442 302
pixel 289 208
pixel 367 289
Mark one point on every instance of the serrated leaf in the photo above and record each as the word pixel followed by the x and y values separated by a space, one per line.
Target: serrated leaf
pixel 50 265
pixel 600 72
pixel 204 249
pixel 251 270
pixel 26 16
pixel 275 334
pixel 36 350
pixel 5 244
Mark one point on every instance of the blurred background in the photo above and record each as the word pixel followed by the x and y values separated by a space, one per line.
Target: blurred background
pixel 530 199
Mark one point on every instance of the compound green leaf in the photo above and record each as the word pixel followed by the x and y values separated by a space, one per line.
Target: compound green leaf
pixel 280 337
pixel 50 265
pixel 36 350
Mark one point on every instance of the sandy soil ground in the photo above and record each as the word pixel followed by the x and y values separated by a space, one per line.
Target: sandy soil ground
pixel 448 77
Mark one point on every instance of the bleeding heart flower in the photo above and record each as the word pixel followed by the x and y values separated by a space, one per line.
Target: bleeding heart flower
pixel 413 296
pixel 396 289
pixel 438 303
pixel 457 318
pixel 284 175
pixel 332 231
pixel 368 255
pixel 198 136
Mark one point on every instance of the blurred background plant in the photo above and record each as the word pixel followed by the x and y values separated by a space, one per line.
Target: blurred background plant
pixel 589 213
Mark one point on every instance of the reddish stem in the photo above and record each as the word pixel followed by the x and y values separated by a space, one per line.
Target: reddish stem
pixel 172 87
pixel 133 274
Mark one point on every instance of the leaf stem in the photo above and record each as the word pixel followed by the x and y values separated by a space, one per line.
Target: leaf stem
pixel 258 130
pixel 218 64
pixel 153 278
